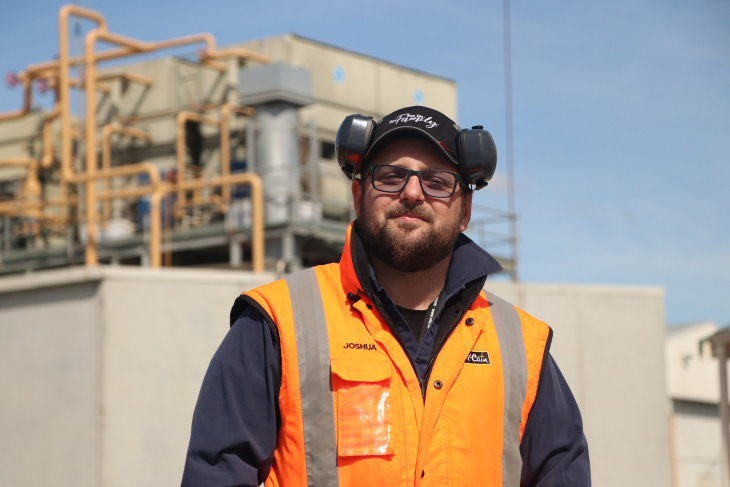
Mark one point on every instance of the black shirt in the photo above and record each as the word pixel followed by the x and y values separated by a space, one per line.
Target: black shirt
pixel 415 319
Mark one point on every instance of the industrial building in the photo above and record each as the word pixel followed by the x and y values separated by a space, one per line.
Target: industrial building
pixel 194 159
pixel 694 392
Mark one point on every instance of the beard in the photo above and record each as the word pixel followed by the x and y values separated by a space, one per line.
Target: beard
pixel 400 245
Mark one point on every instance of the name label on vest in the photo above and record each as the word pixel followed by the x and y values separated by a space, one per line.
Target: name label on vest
pixel 360 346
pixel 478 358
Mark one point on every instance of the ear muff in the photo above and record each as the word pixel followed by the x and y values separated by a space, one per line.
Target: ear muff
pixel 352 143
pixel 478 156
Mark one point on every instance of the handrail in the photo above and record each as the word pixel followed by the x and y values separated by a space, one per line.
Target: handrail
pixel 257 205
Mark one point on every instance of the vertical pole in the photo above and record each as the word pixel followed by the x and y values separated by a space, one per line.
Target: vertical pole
pixel 250 145
pixel 508 129
pixel 313 163
pixel 6 234
pixel 721 353
pixel 225 152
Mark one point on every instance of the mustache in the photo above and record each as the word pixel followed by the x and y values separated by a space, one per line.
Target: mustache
pixel 415 211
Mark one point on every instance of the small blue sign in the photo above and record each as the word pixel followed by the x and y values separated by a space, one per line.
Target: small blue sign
pixel 338 74
pixel 418 96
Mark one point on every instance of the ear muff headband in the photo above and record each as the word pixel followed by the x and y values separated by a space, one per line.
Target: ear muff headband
pixel 476 149
pixel 352 143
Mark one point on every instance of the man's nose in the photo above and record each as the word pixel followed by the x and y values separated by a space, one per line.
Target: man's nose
pixel 413 191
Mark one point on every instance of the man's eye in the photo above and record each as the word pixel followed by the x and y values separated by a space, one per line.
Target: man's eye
pixel 435 180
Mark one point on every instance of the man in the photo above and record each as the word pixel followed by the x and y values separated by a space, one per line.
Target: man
pixel 393 367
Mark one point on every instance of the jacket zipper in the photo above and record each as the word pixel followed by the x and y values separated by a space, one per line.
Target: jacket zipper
pixel 434 355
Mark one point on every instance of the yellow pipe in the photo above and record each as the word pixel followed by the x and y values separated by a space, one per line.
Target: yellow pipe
pixel 156 188
pixel 238 52
pixel 133 77
pixel 225 153
pixel 92 256
pixel 63 65
pixel 47 159
pixel 106 152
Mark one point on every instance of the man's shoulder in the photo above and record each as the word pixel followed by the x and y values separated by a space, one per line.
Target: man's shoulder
pixel 530 325
pixel 276 293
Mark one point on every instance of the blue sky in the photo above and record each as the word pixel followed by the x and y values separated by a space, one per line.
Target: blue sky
pixel 621 115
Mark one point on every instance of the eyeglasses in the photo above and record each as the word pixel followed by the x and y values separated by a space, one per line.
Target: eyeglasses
pixel 434 182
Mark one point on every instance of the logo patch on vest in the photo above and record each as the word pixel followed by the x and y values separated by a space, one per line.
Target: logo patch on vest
pixel 478 358
pixel 360 346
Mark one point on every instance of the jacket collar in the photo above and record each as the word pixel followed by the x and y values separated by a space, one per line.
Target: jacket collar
pixel 468 263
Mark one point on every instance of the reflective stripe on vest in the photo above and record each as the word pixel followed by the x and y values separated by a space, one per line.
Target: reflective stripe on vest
pixel 514 369
pixel 315 386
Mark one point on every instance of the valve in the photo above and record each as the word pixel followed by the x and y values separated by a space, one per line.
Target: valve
pixel 42 85
pixel 11 79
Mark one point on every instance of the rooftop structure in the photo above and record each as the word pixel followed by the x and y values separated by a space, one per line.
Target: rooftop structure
pixel 223 158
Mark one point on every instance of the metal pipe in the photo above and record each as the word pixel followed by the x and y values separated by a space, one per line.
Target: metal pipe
pixel 225 153
pixel 133 77
pixel 63 65
pixel 92 256
pixel 106 153
pixel 156 188
pixel 239 52
pixel 47 159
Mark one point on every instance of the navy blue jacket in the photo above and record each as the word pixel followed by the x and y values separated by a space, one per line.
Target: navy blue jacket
pixel 237 416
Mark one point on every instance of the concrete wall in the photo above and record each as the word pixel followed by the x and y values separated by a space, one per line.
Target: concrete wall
pixel 100 371
pixel 49 429
pixel 608 342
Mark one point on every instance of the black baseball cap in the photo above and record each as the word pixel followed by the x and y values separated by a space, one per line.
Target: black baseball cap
pixel 418 121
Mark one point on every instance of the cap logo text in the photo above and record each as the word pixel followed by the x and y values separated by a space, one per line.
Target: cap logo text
pixel 407 117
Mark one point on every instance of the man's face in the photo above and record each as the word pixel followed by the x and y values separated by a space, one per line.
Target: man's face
pixel 410 231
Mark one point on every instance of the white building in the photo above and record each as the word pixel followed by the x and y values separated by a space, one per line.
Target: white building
pixel 693 388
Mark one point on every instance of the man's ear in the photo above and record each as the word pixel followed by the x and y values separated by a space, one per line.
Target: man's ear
pixel 356 195
pixel 466 216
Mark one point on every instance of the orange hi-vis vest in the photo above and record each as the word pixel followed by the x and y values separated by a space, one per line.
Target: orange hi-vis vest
pixel 351 405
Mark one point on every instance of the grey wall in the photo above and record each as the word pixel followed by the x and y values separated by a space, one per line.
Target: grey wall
pixel 48 394
pixel 100 370
pixel 609 343
pixel 159 338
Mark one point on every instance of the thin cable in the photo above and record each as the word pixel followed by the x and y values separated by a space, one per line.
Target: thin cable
pixel 508 129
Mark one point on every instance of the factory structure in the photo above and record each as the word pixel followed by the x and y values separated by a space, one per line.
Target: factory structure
pixel 155 190
pixel 221 157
